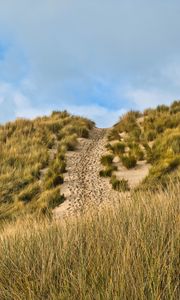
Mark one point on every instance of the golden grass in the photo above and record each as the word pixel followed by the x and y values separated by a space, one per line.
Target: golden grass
pixel 32 155
pixel 161 126
pixel 128 250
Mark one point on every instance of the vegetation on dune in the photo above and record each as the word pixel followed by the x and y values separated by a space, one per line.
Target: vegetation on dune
pixel 32 155
pixel 165 159
pixel 154 136
pixel 129 161
pixel 129 250
pixel 136 151
pixel 107 172
pixel 119 185
pixel 107 160
pixel 118 148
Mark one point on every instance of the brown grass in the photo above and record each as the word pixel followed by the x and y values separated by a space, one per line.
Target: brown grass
pixel 32 155
pixel 129 250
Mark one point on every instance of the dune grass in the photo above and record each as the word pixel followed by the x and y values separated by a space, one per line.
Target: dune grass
pixel 128 250
pixel 120 185
pixel 154 136
pixel 32 155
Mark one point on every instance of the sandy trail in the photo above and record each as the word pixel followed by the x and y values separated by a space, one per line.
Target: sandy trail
pixel 83 187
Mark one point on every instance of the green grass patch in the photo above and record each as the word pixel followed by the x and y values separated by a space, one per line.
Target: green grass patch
pixel 108 171
pixel 120 185
pixel 129 161
pixel 107 160
pixel 118 148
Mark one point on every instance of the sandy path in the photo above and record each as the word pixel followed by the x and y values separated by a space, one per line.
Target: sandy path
pixel 83 187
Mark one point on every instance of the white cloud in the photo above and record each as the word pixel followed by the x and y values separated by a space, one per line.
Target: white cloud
pixel 22 107
pixel 144 98
pixel 16 104
pixel 104 116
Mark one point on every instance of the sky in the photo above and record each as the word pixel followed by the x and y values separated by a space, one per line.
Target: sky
pixel 95 58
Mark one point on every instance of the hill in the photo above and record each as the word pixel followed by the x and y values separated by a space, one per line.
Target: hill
pixel 63 157
pixel 146 142
pixel 33 161
pixel 90 213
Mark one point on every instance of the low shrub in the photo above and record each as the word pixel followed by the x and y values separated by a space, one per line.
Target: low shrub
pixel 60 114
pixel 137 153
pixel 114 135
pixel 35 171
pixel 167 144
pixel 135 134
pixel 128 122
pixel 107 160
pixel 175 145
pixel 135 150
pixel 78 128
pixel 129 161
pixel 118 148
pixel 163 172
pixel 173 163
pixel 108 147
pixel 47 201
pixel 148 151
pixel 62 166
pixel 108 171
pixel 29 193
pixel 151 135
pixel 175 107
pixel 160 127
pixel 105 173
pixel 83 132
pixel 119 185
pixel 69 142
pixel 59 166
pixel 162 108
pixel 54 181
pixel 60 154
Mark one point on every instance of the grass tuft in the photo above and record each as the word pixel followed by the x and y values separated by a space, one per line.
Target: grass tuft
pixel 120 185
pixel 107 160
pixel 129 161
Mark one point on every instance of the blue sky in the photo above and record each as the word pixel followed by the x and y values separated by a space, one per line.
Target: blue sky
pixel 95 58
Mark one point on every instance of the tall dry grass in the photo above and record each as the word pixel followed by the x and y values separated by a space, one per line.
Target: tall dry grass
pixel 32 156
pixel 154 136
pixel 129 250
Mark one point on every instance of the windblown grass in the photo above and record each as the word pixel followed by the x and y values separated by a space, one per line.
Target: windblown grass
pixel 32 155
pixel 154 136
pixel 129 250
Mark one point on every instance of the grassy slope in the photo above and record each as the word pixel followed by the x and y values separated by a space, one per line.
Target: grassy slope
pixel 153 135
pixel 32 155
pixel 128 251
